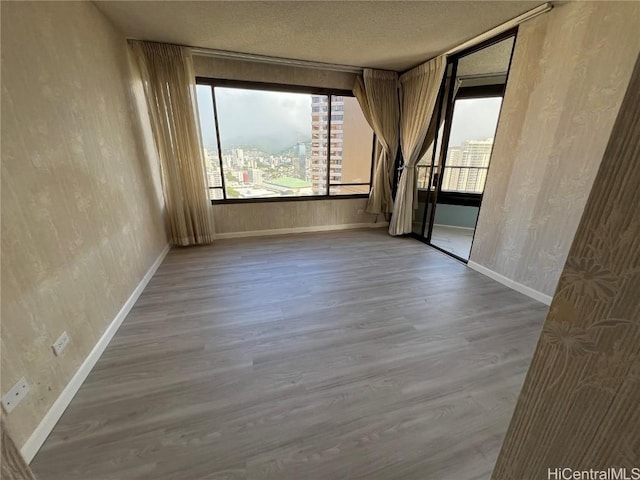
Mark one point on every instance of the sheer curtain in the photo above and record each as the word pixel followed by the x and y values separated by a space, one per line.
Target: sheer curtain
pixel 377 93
pixel 435 126
pixel 418 91
pixel 169 86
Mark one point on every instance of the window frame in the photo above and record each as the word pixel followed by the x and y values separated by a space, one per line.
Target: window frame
pixel 454 197
pixel 278 87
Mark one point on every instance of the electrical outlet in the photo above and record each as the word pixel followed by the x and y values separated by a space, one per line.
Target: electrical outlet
pixel 15 395
pixel 60 344
pixel 361 212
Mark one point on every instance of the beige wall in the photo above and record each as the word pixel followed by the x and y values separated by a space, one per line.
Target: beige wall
pixel 569 73
pixel 251 71
pixel 12 464
pixel 579 406
pixel 81 221
pixel 250 217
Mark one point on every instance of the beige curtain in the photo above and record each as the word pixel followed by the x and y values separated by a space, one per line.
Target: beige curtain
pixel 434 126
pixel 169 86
pixel 418 91
pixel 377 92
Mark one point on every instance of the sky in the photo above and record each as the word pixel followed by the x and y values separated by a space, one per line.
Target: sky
pixel 474 119
pixel 276 120
pixel 273 120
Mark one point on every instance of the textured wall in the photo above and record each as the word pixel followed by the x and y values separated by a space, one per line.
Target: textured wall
pixel 12 465
pixel 81 222
pixel 275 215
pixel 569 73
pixel 249 71
pixel 580 404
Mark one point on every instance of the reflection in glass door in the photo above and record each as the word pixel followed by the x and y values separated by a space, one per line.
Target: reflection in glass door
pixel 451 175
pixel 464 174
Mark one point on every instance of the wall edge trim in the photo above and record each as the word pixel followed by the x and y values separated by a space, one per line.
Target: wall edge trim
pixel 50 419
pixel 512 284
pixel 309 229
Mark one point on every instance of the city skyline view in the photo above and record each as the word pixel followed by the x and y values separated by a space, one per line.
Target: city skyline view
pixel 281 107
pixel 276 144
pixel 470 146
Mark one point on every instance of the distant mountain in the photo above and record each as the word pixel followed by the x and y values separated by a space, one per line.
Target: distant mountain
pixel 273 145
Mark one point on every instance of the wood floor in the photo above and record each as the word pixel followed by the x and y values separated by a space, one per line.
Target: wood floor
pixel 349 355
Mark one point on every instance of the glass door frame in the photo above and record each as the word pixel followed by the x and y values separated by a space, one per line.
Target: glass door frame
pixel 447 90
pixel 431 191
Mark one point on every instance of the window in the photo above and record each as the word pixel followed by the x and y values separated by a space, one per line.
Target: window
pixel 472 129
pixel 473 125
pixel 208 127
pixel 270 144
pixel 424 179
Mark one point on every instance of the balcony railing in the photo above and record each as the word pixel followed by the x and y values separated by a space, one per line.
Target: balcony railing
pixel 456 178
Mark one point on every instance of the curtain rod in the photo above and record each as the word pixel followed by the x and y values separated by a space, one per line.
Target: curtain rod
pixel 509 24
pixel 207 52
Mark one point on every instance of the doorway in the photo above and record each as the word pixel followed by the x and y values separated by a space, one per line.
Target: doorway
pixel 451 174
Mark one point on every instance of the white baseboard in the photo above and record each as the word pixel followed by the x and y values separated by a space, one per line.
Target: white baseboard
pixel 285 231
pixel 42 431
pixel 528 291
pixel 453 226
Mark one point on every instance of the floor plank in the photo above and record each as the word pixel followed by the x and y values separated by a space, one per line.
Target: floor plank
pixel 326 356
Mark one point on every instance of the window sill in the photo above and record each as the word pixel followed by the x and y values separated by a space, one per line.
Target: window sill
pixel 230 201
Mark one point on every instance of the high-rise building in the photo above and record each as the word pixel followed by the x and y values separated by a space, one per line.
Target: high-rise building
pixel 300 161
pixel 466 167
pixel 350 157
pixel 212 168
pixel 238 153
pixel 319 135
pixel 255 176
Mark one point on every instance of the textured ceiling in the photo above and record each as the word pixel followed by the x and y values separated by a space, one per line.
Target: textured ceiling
pixel 490 60
pixel 380 34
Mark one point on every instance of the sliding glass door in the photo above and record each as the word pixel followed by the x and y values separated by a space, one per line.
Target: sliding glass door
pixel 451 175
pixel 464 173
